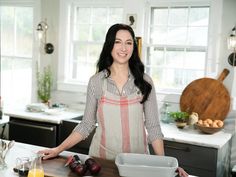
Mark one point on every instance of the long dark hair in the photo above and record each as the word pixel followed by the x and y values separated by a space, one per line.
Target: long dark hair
pixel 135 64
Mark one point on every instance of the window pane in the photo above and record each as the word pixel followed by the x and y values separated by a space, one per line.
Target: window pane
pixel 160 16
pixel 83 15
pixel 156 56
pixel 176 49
pixel 82 32
pixel 158 35
pixel 177 35
pixel 195 60
pixel 198 36
pixel 16 56
pixel 199 16
pixel 174 58
pixel 16 76
pixel 99 15
pixel 88 38
pixel 80 52
pixel 7 31
pixel 98 32
pixel 178 16
pixel 24 32
pixel 94 52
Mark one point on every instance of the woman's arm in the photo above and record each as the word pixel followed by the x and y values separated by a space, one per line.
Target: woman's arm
pixel 82 130
pixel 158 147
pixel 69 142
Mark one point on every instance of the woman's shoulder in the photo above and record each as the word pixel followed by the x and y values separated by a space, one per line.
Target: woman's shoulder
pixel 98 77
pixel 147 78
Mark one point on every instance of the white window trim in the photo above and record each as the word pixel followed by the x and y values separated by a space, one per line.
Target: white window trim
pixel 63 83
pixel 214 31
pixel 35 57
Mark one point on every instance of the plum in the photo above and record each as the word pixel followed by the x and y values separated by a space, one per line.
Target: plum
pixel 93 166
pixel 80 169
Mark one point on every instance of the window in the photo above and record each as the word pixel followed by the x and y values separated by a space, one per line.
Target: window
pixel 87 27
pixel 176 46
pixel 16 54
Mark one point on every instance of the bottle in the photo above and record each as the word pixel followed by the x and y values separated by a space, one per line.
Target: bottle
pixel 36 169
pixel 165 113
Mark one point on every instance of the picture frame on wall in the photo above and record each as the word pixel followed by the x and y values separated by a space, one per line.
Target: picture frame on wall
pixel 131 20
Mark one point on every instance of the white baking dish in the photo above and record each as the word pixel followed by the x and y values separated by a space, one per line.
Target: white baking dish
pixel 143 165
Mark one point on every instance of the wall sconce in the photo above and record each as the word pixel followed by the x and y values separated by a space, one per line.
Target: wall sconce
pixel 232 46
pixel 42 28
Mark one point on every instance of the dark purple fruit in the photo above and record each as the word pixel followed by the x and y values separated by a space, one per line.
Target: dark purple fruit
pixel 93 166
pixel 95 169
pixel 90 161
pixel 73 165
pixel 80 169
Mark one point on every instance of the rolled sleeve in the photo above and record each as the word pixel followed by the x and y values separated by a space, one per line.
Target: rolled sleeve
pixel 88 123
pixel 152 121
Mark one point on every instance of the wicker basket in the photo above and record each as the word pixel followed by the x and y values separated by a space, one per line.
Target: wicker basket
pixel 208 130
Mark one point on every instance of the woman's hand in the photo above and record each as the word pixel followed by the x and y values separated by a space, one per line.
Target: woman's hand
pixel 181 172
pixel 49 153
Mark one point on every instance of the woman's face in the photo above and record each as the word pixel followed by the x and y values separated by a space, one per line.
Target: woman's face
pixel 123 47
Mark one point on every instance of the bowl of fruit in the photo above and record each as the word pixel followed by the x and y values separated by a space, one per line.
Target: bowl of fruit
pixel 209 126
pixel 89 167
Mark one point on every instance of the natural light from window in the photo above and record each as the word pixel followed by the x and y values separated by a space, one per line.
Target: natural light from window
pixel 16 54
pixel 177 46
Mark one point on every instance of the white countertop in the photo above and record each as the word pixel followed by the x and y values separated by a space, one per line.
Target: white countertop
pixel 42 116
pixel 193 136
pixel 171 132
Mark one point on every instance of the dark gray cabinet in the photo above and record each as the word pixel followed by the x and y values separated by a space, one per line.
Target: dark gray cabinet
pixel 67 127
pixel 199 160
pixel 33 132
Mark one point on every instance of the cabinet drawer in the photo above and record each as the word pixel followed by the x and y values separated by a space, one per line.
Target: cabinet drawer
pixel 192 155
pixel 33 132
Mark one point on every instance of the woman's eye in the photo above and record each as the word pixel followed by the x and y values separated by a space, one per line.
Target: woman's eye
pixel 129 43
pixel 117 42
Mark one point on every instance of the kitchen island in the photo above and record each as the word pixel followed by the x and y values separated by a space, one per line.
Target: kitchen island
pixel 54 167
pixel 198 153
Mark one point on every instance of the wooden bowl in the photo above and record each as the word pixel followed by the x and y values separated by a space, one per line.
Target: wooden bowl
pixel 208 130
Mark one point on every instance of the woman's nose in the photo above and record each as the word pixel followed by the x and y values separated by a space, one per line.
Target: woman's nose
pixel 123 47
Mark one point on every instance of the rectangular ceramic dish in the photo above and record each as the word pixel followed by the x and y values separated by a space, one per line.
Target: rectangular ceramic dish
pixel 141 165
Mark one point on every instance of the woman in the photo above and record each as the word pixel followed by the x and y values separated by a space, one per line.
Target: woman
pixel 122 99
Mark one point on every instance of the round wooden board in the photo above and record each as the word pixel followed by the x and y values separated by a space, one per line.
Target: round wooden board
pixel 207 97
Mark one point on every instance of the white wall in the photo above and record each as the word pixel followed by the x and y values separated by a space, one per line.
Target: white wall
pixel 227 12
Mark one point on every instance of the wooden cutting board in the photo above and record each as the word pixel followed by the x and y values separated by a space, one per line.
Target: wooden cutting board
pixel 55 168
pixel 208 97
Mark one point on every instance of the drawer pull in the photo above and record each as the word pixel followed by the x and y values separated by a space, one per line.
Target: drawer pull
pixel 185 149
pixel 32 126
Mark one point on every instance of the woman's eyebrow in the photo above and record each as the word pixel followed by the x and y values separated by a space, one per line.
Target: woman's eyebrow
pixel 121 39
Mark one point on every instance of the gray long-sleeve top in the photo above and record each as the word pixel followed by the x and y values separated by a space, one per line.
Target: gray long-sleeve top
pixel 94 93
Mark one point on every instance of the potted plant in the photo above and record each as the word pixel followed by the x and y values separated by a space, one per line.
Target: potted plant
pixel 44 85
pixel 181 118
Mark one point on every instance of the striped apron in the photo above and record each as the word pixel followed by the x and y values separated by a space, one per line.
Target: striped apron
pixel 120 125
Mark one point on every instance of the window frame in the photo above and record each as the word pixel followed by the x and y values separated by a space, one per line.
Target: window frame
pixel 63 82
pixel 212 60
pixel 35 57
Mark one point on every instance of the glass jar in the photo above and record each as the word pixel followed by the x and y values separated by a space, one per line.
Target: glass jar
pixel 36 169
pixel 165 113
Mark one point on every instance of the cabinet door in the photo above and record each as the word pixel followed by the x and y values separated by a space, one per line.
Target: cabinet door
pixel 83 146
pixel 33 133
pixel 196 160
